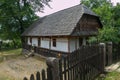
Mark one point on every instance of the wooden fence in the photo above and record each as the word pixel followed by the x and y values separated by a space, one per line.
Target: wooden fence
pixel 116 52
pixel 43 75
pixel 83 64
pixel 112 53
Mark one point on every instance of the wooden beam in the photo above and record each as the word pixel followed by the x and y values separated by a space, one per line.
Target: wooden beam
pixel 68 45
pixel 50 43
pixel 75 43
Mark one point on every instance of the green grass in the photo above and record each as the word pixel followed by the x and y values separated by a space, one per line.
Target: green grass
pixel 111 76
pixel 11 51
pixel 9 54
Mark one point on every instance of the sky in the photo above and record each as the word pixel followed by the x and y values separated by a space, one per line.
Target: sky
pixel 58 5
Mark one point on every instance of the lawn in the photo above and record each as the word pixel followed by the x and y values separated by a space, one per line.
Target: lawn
pixel 9 54
pixel 11 51
pixel 113 76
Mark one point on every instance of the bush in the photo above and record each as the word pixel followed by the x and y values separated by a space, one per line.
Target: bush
pixel 10 44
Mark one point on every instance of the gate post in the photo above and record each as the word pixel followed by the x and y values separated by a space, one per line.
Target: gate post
pixel 53 64
pixel 109 52
pixel 102 50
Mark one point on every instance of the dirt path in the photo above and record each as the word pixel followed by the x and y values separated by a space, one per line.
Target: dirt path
pixel 17 69
pixel 113 67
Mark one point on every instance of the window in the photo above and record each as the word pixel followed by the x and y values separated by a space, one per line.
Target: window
pixel 54 42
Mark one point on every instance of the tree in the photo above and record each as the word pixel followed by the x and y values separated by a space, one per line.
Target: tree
pixel 109 34
pixel 110 19
pixel 17 15
pixel 116 15
pixel 95 3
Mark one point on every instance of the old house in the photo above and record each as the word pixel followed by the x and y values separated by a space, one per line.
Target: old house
pixel 63 31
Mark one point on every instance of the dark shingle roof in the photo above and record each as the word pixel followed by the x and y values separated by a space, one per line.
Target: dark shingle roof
pixel 59 23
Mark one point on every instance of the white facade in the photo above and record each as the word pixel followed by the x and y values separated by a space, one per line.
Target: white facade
pixel 34 41
pixel 62 44
pixel 74 44
pixel 28 42
pixel 45 43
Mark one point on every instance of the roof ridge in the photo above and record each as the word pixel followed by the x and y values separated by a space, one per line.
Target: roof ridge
pixel 64 9
pixel 90 11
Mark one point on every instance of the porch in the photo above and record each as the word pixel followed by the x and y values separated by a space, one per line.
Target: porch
pixel 45 52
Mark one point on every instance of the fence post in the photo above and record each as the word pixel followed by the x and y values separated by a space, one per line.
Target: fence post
pixel 32 77
pixel 25 78
pixel 53 64
pixel 102 50
pixel 38 76
pixel 109 52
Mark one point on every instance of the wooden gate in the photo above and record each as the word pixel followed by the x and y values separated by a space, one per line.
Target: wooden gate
pixel 83 64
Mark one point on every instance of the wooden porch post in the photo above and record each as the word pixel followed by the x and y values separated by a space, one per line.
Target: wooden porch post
pixel 68 45
pixel 75 43
pixel 50 43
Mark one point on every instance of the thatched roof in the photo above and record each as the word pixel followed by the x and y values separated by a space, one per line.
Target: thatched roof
pixel 58 24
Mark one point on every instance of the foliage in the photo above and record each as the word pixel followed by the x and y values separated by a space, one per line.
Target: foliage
pixel 10 44
pixel 110 19
pixel 92 40
pixel 109 34
pixel 116 15
pixel 95 3
pixel 106 34
pixel 110 76
pixel 17 15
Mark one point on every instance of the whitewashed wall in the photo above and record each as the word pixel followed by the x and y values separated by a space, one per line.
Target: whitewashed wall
pixel 61 44
pixel 28 42
pixel 34 41
pixel 45 43
pixel 74 44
